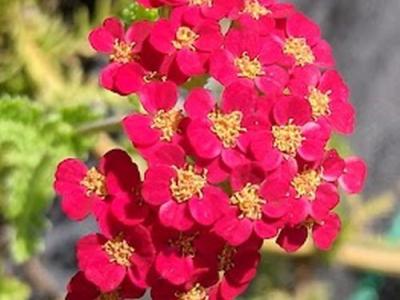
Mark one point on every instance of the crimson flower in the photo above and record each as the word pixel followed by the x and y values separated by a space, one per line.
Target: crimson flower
pixel 324 234
pixel 294 133
pixel 260 15
pixel 234 267
pixel 183 256
pixel 327 94
pixel 249 211
pixel 108 260
pixel 162 119
pixel 316 195
pixel 302 44
pixel 218 131
pixel 181 191
pixel 187 41
pixel 113 186
pixel 124 74
pixel 250 58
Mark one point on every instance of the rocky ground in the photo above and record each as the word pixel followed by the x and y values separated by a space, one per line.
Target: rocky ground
pixel 366 39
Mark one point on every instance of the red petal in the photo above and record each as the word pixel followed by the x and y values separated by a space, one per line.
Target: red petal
pixel 292 238
pixel 156 186
pixel 199 103
pixel 128 79
pixel 176 215
pixel 342 117
pixel 325 234
pixel 205 143
pixel 139 130
pixel 298 25
pixel 323 55
pixel 355 174
pixel 162 36
pixel 115 27
pixel 332 166
pixel 177 270
pixel 327 197
pixel 292 108
pixel 107 76
pixel 234 231
pixel 189 62
pixel 238 97
pixel 102 40
pixel 157 96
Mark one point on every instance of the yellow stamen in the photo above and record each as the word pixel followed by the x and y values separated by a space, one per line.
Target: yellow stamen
pixel 109 296
pixel 184 244
pixel 196 293
pixel 122 52
pixel 249 202
pixel 300 50
pixel 119 251
pixel 227 126
pixel 187 184
pixel 95 183
pixel 154 76
pixel 288 138
pixel 248 68
pixel 255 9
pixel 168 122
pixel 208 3
pixel 185 38
pixel 286 91
pixel 306 184
pixel 319 102
pixel 225 259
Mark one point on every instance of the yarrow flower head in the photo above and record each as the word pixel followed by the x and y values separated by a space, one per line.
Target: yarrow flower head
pixel 237 103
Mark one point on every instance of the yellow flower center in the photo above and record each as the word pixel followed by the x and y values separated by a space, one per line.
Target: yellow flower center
pixel 109 296
pixel 225 259
pixel 122 52
pixel 288 138
pixel 306 184
pixel 119 251
pixel 184 244
pixel 187 184
pixel 248 68
pixel 168 122
pixel 227 126
pixel 209 3
pixel 300 50
pixel 95 183
pixel 319 102
pixel 154 76
pixel 196 293
pixel 249 202
pixel 255 9
pixel 185 38
pixel 286 91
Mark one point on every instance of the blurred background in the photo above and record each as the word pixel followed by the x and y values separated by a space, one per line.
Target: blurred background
pixel 51 107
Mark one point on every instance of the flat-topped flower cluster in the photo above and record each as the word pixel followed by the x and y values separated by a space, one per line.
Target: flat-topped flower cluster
pixel 225 172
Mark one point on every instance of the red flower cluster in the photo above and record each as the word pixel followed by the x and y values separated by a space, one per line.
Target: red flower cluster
pixel 225 172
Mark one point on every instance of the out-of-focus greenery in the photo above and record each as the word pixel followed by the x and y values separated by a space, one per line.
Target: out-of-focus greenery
pixel 32 142
pixel 12 289
pixel 48 89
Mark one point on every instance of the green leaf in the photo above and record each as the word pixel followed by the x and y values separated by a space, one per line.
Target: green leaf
pixel 32 142
pixel 12 289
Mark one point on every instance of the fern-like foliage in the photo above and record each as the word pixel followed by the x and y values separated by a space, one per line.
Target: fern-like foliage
pixel 32 142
